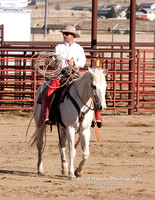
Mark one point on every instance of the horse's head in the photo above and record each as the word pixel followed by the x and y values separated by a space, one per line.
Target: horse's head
pixel 98 87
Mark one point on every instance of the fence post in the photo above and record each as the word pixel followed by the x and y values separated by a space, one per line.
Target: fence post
pixel 138 80
pixel 2 61
pixel 132 55
pixel 94 30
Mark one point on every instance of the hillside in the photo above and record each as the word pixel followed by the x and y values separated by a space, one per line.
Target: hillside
pixel 65 5
pixel 59 12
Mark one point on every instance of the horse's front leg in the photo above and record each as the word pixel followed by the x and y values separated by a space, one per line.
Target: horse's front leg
pixel 40 132
pixel 62 149
pixel 70 136
pixel 84 139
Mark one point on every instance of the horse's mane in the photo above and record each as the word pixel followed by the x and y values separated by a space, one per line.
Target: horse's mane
pixel 85 76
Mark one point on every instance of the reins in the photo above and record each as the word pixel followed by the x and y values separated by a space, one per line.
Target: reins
pixel 82 100
pixel 80 114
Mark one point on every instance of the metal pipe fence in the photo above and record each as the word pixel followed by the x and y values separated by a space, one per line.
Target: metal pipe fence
pixel 19 80
pixel 145 81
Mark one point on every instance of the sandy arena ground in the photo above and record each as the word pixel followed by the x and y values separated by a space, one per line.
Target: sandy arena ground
pixel 120 167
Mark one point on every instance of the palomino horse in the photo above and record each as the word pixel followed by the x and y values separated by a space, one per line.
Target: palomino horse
pixel 76 112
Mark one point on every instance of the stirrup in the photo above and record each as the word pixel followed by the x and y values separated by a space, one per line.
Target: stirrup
pixel 99 124
pixel 93 124
pixel 39 101
pixel 50 122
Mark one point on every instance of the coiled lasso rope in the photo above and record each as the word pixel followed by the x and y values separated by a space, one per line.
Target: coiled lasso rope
pixel 43 61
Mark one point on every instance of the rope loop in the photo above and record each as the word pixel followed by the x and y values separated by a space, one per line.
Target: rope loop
pixel 43 62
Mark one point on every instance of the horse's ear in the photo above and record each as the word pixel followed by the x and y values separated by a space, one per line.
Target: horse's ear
pixel 90 70
pixel 105 72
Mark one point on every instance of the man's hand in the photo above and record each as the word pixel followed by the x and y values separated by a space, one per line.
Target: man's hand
pixel 58 57
pixel 70 63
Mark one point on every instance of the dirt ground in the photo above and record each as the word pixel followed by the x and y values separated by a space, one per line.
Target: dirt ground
pixel 120 167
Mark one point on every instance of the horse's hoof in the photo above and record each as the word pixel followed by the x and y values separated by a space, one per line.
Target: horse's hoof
pixel 64 173
pixel 77 173
pixel 41 173
pixel 71 177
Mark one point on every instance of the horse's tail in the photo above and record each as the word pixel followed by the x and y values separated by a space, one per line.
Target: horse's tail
pixel 33 140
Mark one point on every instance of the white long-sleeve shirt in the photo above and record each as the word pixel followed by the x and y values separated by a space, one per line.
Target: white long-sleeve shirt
pixel 74 51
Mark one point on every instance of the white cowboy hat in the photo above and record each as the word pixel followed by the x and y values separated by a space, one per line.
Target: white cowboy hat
pixel 71 29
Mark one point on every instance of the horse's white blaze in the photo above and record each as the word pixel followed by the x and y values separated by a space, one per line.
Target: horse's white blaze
pixel 92 85
pixel 99 80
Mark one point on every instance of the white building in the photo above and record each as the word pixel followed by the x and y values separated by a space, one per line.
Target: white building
pixel 16 20
pixel 13 3
pixel 147 6
pixel 150 13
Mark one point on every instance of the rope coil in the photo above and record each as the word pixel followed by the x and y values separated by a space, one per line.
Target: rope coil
pixel 43 62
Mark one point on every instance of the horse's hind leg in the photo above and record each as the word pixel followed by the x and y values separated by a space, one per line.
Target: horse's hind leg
pixel 40 133
pixel 62 149
pixel 84 139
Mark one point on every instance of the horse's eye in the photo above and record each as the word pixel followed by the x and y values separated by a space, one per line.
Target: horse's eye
pixel 94 87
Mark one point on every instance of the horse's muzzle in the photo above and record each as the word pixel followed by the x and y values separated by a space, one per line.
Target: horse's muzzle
pixel 99 107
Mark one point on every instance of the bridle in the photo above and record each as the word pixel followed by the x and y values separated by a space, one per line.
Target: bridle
pixel 89 107
pixel 93 89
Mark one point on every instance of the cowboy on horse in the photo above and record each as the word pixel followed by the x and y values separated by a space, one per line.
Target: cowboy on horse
pixel 73 57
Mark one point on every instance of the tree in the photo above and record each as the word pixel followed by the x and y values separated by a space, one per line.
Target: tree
pixel 112 13
pixel 137 8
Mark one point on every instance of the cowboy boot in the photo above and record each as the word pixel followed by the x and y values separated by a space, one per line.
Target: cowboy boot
pixel 98 118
